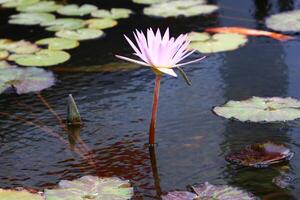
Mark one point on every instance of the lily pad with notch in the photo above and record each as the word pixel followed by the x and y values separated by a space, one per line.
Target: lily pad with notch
pixel 75 10
pixel 91 187
pixel 260 155
pixel 101 23
pixel 114 13
pixel 206 43
pixel 42 7
pixel 64 24
pixel 58 43
pixel 80 34
pixel 259 109
pixel 31 18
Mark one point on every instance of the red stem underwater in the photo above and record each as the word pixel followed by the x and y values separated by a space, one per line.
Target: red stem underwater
pixel 154 110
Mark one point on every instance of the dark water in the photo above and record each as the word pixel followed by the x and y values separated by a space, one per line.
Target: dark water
pixel 192 141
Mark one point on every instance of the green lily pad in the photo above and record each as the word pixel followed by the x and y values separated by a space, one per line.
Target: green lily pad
pixel 42 58
pixel 91 187
pixel 16 3
pixel 5 65
pixel 43 6
pixel 18 47
pixel 285 21
pixel 186 8
pixel 100 23
pixel 64 24
pixel 20 195
pixel 3 54
pixel 114 13
pixel 80 34
pixel 31 18
pixel 206 43
pixel 258 109
pixel 75 10
pixel 25 80
pixel 149 2
pixel 58 43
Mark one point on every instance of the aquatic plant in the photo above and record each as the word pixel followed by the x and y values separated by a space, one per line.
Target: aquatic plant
pixel 19 195
pixel 162 54
pixel 285 21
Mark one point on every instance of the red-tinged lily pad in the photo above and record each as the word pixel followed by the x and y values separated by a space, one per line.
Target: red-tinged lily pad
pixel 207 191
pixel 260 155
pixel 179 195
pixel 25 80
pixel 18 47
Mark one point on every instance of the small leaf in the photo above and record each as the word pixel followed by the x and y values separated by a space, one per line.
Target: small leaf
pixel 31 18
pixel 285 21
pixel 16 3
pixel 100 23
pixel 64 24
pixel 40 7
pixel 73 115
pixel 58 43
pixel 80 34
pixel 3 54
pixel 114 13
pixel 75 10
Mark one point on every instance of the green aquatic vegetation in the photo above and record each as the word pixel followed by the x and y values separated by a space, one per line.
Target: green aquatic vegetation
pixel 219 42
pixel 75 10
pixel 3 54
pixel 285 21
pixel 18 47
pixel 114 13
pixel 259 109
pixel 149 1
pixel 260 155
pixel 101 23
pixel 80 34
pixel 25 80
pixel 31 18
pixel 58 43
pixel 43 6
pixel 19 195
pixel 207 191
pixel 5 65
pixel 43 58
pixel 64 24
pixel 186 8
pixel 91 187
pixel 16 3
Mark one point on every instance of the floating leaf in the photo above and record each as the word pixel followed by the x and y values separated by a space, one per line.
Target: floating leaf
pixel 100 23
pixel 64 24
pixel 179 195
pixel 114 13
pixel 25 80
pixel 3 54
pixel 42 58
pixel 75 10
pixel 18 47
pixel 186 8
pixel 205 43
pixel 260 155
pixel 91 187
pixel 5 65
pixel 80 34
pixel 31 18
pixel 286 21
pixel 149 1
pixel 58 43
pixel 207 191
pixel 16 3
pixel 43 6
pixel 18 195
pixel 258 109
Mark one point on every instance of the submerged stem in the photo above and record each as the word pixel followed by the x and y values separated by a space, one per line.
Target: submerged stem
pixel 154 110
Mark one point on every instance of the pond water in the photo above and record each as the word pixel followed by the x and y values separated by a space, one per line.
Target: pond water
pixel 115 107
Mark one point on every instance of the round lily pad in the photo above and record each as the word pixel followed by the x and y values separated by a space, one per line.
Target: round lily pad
pixel 285 21
pixel 258 109
pixel 260 155
pixel 80 34
pixel 58 43
pixel 18 47
pixel 206 43
pixel 31 18
pixel 148 1
pixel 20 195
pixel 64 24
pixel 42 58
pixel 176 8
pixel 75 10
pixel 220 192
pixel 16 3
pixel 43 6
pixel 5 65
pixel 3 54
pixel 114 13
pixel 91 187
pixel 100 23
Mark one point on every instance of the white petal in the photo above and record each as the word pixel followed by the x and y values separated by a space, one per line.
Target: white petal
pixel 133 61
pixel 167 71
pixel 190 62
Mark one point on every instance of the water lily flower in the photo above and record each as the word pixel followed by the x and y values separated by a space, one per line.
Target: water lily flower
pixel 162 54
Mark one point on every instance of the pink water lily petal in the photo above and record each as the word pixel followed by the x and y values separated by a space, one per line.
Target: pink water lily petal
pixel 132 60
pixel 190 62
pixel 167 71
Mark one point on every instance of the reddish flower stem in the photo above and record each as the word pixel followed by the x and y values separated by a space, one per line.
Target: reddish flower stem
pixel 154 110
